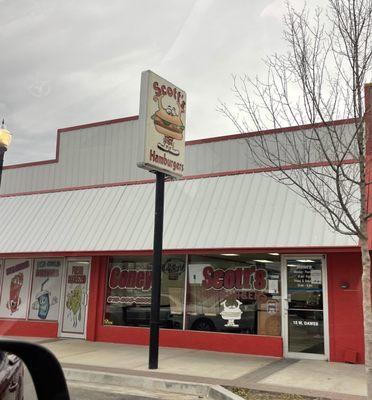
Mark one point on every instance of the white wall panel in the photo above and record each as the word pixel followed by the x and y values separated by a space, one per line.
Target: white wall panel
pixel 108 154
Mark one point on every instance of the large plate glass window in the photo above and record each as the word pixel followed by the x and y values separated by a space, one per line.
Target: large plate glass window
pixel 46 290
pixel 234 294
pixel 15 288
pixel 128 292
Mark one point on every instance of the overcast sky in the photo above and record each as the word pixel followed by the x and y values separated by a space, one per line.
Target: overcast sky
pixel 71 62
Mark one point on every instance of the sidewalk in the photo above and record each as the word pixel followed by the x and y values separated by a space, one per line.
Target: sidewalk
pixel 306 377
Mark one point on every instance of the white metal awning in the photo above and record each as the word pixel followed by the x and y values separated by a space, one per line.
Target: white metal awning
pixel 239 211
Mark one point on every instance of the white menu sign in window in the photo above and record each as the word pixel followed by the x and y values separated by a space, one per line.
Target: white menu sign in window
pixel 15 288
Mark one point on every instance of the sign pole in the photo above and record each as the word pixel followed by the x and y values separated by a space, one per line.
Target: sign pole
pixel 156 271
pixel 161 145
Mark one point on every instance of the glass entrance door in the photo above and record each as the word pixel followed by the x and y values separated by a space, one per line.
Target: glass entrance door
pixel 305 316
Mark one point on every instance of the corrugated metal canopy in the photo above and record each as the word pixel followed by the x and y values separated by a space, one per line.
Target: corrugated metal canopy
pixel 239 211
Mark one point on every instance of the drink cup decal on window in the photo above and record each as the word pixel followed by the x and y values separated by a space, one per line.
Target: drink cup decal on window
pixel 43 301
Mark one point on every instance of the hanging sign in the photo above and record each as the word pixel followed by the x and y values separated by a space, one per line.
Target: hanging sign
pixel 162 125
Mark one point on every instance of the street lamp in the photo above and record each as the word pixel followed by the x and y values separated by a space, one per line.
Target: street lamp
pixel 5 139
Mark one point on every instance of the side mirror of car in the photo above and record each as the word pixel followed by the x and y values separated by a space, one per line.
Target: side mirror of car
pixel 45 370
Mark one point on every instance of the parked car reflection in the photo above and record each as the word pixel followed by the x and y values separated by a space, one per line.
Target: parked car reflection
pixel 11 377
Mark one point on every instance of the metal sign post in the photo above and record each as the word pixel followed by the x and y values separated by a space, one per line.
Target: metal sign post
pixel 156 272
pixel 162 151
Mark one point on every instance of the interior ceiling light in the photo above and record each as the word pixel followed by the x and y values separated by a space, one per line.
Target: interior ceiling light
pixel 274 254
pixel 230 255
pixel 264 261
pixel 305 261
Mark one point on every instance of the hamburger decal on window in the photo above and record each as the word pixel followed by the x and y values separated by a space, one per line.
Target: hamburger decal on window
pixel 162 125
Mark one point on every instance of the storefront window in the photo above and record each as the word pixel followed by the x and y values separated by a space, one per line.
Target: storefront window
pixel 15 288
pixel 128 292
pixel 237 296
pixel 46 290
pixel 46 279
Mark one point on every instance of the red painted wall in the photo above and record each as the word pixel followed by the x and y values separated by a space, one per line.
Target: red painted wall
pixel 368 127
pixel 28 328
pixel 224 342
pixel 345 307
pixel 95 302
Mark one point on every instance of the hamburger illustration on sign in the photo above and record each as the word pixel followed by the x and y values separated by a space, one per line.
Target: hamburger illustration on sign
pixel 162 125
pixel 169 123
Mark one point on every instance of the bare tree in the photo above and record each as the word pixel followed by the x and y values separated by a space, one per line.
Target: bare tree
pixel 321 78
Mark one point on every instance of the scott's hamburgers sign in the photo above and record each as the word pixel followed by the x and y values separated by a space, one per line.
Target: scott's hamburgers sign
pixel 162 125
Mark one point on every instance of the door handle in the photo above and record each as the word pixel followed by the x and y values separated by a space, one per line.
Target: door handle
pixel 13 386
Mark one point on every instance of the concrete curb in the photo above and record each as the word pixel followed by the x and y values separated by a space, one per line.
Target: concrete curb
pixel 212 392
pixel 217 392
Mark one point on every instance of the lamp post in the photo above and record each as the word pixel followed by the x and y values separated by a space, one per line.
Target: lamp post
pixel 5 139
